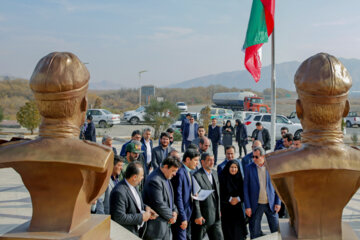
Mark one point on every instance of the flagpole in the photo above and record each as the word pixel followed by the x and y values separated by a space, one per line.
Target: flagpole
pixel 273 91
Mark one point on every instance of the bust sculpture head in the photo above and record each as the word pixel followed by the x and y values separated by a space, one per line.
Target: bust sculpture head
pixel 322 83
pixel 59 82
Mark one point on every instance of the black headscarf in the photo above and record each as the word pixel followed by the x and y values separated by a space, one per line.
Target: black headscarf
pixel 232 185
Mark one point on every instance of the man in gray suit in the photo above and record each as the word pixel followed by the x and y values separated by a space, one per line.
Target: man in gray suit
pixel 207 212
pixel 159 195
pixel 103 203
pixel 126 205
pixel 161 152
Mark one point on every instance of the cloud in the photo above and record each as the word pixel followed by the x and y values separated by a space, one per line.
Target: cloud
pixel 164 33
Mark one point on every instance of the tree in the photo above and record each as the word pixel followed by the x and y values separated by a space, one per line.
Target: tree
pixel 28 116
pixel 206 117
pixel 98 102
pixel 160 115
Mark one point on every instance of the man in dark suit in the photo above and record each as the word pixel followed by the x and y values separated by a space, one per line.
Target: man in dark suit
pixel 214 133
pixel 159 195
pixel 190 131
pixel 126 205
pixel 261 134
pixel 182 184
pixel 160 152
pixel 183 123
pixel 207 212
pixel 147 146
pixel 259 195
pixel 90 132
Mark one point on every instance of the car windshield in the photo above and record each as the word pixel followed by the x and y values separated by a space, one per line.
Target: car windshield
pixel 256 100
pixel 106 111
pixel 140 109
pixel 181 104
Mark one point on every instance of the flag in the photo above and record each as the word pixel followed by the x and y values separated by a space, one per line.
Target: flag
pixel 260 27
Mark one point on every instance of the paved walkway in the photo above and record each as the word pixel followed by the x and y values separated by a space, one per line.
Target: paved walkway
pixel 16 208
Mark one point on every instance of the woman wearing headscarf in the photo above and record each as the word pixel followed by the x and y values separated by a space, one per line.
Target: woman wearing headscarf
pixel 232 196
pixel 228 132
pixel 241 136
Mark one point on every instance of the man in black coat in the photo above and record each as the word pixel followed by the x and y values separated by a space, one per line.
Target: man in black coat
pixel 207 212
pixel 161 152
pixel 159 195
pixel 261 134
pixel 126 205
pixel 90 133
pixel 214 134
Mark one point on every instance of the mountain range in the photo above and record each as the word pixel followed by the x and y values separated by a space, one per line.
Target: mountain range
pixel 284 77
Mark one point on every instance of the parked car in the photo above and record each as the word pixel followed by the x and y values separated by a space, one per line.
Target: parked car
pixel 182 106
pixel 135 116
pixel 265 119
pixel 293 117
pixel 221 113
pixel 177 124
pixel 103 117
pixel 353 118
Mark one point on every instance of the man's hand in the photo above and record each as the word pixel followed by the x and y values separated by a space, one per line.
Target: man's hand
pixel 184 225
pixel 173 219
pixel 277 208
pixel 146 215
pixel 234 201
pixel 153 214
pixel 199 221
pixel 248 212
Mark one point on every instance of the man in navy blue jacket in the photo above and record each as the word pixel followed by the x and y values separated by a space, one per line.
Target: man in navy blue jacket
pixel 259 195
pixel 214 134
pixel 182 184
pixel 90 132
pixel 190 131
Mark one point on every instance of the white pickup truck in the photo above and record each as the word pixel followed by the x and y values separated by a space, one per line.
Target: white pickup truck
pixel 353 118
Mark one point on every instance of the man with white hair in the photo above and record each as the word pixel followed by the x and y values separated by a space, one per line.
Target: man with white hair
pixel 107 141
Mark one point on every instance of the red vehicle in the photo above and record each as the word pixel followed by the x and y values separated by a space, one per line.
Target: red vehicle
pixel 256 104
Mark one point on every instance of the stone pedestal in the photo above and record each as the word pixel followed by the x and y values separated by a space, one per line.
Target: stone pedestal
pixel 96 228
pixel 288 233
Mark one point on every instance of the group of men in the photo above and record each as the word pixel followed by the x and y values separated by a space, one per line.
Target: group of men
pixel 152 191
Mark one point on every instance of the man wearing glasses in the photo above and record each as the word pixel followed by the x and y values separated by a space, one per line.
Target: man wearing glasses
pixel 280 143
pixel 259 195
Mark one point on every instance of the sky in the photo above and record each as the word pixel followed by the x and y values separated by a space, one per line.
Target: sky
pixel 174 40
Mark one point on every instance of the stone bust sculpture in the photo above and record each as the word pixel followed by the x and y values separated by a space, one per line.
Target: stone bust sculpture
pixel 318 180
pixel 63 174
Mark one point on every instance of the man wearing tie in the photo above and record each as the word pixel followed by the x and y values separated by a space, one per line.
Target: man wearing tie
pixel 207 212
pixel 159 195
pixel 126 205
pixel 182 184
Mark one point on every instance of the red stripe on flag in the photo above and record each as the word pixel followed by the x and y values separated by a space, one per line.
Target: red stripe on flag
pixel 253 62
pixel 269 9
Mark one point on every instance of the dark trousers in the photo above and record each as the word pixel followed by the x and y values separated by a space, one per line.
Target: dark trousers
pixel 213 231
pixel 255 220
pixel 240 149
pixel 179 234
pixel 183 145
pixel 215 151
pixel 168 235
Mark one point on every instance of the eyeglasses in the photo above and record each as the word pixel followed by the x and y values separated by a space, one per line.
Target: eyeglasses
pixel 256 157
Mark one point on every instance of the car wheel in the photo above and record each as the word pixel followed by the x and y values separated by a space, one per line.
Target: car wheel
pixel 134 120
pixel 111 125
pixel 102 124
pixel 298 132
pixel 348 124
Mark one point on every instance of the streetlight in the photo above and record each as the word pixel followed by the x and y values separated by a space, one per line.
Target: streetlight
pixel 140 86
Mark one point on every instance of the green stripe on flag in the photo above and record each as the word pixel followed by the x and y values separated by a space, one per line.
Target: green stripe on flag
pixel 257 30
